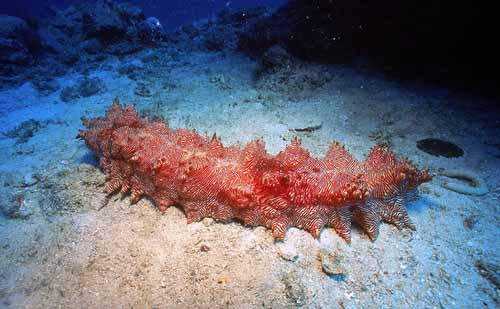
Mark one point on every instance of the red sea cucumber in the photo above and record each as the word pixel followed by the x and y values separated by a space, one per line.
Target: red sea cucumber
pixel 207 179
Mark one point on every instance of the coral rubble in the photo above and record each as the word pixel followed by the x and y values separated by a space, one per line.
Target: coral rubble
pixel 207 179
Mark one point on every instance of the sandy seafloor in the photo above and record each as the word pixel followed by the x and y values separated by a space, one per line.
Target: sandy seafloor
pixel 61 252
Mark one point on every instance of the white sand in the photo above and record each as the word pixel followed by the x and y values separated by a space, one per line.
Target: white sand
pixel 128 256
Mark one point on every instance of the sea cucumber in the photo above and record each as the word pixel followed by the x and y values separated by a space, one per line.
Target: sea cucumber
pixel 475 184
pixel 181 167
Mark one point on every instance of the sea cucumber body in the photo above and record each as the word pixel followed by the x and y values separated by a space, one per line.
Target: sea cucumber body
pixel 207 179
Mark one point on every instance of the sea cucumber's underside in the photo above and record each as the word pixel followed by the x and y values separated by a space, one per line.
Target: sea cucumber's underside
pixel 207 179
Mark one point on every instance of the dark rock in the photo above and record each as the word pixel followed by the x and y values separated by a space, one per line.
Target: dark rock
pixel 311 30
pixel 276 58
pixel 90 86
pixel 440 42
pixel 69 56
pixel 92 46
pixel 45 85
pixel 107 21
pixel 17 29
pixel 69 94
pixel 281 72
pixel 18 41
pixel 14 52
pixel 151 30
pixel 151 57
pixel 214 42
pixel 13 27
pixel 123 48
pixel 190 30
pixel 131 70
pixel 100 26
pixel 142 90
pixel 25 131
pixel 221 33
pixel 86 87
pixel 53 40
pixel 437 147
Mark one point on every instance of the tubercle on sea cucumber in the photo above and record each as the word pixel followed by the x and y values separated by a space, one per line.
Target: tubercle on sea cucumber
pixel 205 178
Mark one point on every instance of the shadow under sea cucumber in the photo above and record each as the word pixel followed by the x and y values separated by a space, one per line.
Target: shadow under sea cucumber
pixel 207 179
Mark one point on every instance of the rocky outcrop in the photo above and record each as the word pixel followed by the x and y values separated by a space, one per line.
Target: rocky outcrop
pixel 82 33
pixel 18 43
pixel 432 41
pixel 101 26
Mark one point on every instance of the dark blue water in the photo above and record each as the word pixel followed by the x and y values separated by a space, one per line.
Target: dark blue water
pixel 171 13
